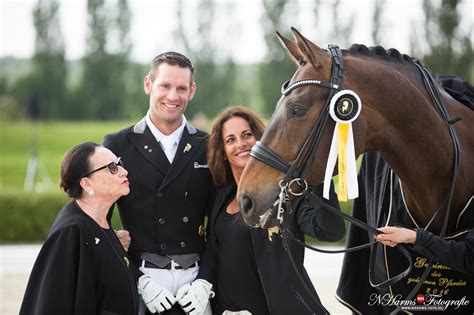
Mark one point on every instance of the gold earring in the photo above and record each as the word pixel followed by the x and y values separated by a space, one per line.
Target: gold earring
pixel 91 193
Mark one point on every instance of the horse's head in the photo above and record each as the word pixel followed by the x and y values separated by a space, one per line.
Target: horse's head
pixel 296 114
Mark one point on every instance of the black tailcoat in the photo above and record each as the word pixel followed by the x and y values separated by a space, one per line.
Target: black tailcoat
pixel 80 271
pixel 165 209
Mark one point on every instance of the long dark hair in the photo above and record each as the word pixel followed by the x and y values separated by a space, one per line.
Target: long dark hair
pixel 218 165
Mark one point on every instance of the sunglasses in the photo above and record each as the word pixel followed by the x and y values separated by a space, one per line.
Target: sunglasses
pixel 112 166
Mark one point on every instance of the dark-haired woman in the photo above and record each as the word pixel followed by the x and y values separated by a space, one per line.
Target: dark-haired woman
pixel 249 268
pixel 82 267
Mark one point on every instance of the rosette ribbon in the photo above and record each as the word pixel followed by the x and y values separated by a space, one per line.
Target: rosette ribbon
pixel 344 108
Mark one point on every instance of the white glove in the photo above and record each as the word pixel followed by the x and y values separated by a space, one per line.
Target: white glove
pixel 156 298
pixel 193 297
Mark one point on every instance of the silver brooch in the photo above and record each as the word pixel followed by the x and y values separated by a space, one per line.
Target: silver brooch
pixel 187 148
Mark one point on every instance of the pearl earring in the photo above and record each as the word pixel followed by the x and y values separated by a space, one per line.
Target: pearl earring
pixel 91 193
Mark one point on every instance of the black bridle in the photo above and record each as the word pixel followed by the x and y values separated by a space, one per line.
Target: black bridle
pixel 298 171
pixel 300 167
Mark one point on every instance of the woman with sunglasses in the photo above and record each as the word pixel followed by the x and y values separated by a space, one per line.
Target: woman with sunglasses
pixel 82 267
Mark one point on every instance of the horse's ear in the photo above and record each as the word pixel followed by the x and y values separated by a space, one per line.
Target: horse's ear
pixel 307 48
pixel 291 47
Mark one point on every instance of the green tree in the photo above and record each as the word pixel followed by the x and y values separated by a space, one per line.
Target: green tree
pixel 102 93
pixel 216 80
pixel 341 28
pixel 123 25
pixel 377 21
pixel 48 78
pixel 449 47
pixel 316 8
pixel 276 68
pixel 128 88
pixel 9 107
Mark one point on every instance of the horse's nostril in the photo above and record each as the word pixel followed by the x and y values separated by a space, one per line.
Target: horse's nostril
pixel 246 204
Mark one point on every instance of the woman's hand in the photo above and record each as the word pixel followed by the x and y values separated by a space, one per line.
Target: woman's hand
pixel 391 236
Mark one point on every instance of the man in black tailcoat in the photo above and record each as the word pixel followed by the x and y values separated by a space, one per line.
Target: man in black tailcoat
pixel 170 184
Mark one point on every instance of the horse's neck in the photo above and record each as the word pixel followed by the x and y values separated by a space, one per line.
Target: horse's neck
pixel 414 140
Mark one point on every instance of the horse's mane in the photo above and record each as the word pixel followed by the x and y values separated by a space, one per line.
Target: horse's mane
pixel 392 58
pixel 381 53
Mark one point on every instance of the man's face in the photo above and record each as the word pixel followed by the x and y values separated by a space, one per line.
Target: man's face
pixel 169 94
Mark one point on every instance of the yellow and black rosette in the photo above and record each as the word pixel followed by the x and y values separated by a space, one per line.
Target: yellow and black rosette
pixel 344 108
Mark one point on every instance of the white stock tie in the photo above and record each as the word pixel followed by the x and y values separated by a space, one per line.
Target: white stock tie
pixel 169 147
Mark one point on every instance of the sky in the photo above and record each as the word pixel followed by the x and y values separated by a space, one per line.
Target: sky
pixel 238 28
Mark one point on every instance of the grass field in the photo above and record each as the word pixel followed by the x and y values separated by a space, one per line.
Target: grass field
pixel 53 140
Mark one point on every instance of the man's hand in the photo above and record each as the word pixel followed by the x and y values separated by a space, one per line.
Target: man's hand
pixel 194 297
pixel 124 238
pixel 156 298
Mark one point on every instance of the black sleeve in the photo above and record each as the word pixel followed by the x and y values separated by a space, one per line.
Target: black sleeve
pixel 319 222
pixel 57 284
pixel 207 268
pixel 456 254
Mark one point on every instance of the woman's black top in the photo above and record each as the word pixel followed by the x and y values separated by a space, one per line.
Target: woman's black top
pixel 236 254
pixel 457 254
pixel 237 274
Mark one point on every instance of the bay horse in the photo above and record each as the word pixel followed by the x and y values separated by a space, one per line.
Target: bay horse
pixel 398 120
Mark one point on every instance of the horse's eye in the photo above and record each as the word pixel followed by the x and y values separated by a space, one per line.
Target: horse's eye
pixel 298 111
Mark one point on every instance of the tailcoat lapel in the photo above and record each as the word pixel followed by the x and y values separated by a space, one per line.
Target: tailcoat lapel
pixel 182 159
pixel 144 141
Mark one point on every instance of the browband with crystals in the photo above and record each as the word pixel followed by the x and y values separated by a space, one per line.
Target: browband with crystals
pixel 286 88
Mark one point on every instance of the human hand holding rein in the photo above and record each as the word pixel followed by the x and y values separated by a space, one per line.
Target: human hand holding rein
pixel 391 236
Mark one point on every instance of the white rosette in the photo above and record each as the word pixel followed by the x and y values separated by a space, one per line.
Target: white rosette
pixel 344 108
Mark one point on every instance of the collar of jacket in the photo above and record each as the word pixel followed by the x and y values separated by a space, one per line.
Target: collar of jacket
pixel 141 126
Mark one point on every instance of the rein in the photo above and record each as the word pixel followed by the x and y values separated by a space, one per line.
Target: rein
pixel 298 171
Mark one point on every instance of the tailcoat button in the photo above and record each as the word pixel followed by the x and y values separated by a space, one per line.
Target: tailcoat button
pixel 183 244
pixel 185 219
pixel 163 246
pixel 159 195
pixel 161 220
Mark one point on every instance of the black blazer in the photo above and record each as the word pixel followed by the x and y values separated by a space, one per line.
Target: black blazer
pixel 165 209
pixel 284 292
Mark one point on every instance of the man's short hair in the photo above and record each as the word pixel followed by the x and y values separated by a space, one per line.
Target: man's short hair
pixel 172 58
